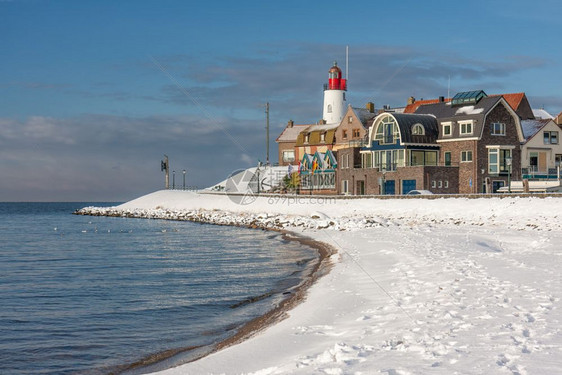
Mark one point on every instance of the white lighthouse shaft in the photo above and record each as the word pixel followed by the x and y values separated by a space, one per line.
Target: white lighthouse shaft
pixel 334 96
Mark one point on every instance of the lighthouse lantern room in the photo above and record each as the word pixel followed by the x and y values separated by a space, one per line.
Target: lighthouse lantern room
pixel 334 96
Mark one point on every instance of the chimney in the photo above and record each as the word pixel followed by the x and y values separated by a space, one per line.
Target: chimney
pixel 371 107
pixel 441 99
pixel 411 100
pixel 290 124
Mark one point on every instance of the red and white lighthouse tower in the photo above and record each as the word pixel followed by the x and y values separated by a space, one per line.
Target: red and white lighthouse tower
pixel 334 96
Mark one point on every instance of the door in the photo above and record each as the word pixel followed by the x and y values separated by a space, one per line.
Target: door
pixel 496 185
pixel 408 185
pixel 542 162
pixel 447 159
pixel 389 187
pixel 389 161
pixel 388 133
pixel 361 187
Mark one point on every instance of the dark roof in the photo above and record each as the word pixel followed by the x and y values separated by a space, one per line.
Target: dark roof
pixel 406 121
pixel 445 111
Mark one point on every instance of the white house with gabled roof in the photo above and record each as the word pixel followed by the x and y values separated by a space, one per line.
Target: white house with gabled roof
pixel 542 151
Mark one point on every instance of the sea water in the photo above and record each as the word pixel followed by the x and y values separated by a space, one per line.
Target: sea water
pixel 82 294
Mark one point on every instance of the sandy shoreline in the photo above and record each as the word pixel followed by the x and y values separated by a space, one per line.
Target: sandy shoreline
pixel 296 295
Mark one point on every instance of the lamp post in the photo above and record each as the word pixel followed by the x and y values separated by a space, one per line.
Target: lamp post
pixel 383 186
pixel 258 174
pixel 508 161
pixel 184 179
pixel 173 180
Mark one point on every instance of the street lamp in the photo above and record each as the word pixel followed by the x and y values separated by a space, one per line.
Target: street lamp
pixel 383 185
pixel 508 162
pixel 184 179
pixel 173 180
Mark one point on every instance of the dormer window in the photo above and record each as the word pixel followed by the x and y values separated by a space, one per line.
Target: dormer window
pixel 447 128
pixel 418 129
pixel 322 137
pixel 466 127
pixel 306 138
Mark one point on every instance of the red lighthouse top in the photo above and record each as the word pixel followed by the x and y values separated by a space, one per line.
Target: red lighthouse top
pixel 335 81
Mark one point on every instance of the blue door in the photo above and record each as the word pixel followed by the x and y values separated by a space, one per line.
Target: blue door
pixel 389 187
pixel 496 185
pixel 408 185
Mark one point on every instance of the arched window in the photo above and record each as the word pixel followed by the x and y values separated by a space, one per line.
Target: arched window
pixel 329 108
pixel 418 129
pixel 387 131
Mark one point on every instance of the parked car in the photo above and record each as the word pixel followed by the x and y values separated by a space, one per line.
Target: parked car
pixel 419 192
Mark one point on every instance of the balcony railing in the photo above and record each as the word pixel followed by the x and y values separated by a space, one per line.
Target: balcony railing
pixel 532 173
pixel 390 167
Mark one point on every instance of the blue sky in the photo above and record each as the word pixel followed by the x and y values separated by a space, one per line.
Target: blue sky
pixel 95 92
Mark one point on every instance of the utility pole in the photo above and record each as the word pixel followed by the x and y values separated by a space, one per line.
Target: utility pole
pixel 267 132
pixel 165 166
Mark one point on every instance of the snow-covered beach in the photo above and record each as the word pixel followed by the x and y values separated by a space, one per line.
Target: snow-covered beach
pixel 440 286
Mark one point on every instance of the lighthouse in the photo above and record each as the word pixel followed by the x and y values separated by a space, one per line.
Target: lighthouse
pixel 334 96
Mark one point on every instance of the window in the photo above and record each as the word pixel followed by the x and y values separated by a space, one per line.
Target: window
pixel 498 128
pixel 367 160
pixel 289 156
pixel 418 129
pixel 466 156
pixel 446 184
pixel 497 160
pixel 345 161
pixel 387 131
pixel 551 138
pixel 350 119
pixel 466 127
pixel 423 157
pixel 306 138
pixel 344 134
pixel 329 108
pixel 447 129
pixel 417 158
pixel 356 133
pixel 322 137
pixel 447 158
pixel 440 184
pixel 433 184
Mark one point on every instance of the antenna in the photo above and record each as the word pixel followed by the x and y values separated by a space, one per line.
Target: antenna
pixel 267 132
pixel 347 63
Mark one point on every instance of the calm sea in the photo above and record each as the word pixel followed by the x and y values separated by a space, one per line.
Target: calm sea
pixel 81 294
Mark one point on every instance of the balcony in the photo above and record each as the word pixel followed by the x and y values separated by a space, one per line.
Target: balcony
pixel 533 173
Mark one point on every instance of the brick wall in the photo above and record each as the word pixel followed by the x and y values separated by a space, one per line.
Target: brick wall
pixel 284 146
pixel 499 114
pixel 466 170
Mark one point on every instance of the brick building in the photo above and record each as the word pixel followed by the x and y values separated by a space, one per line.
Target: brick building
pixel 480 134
